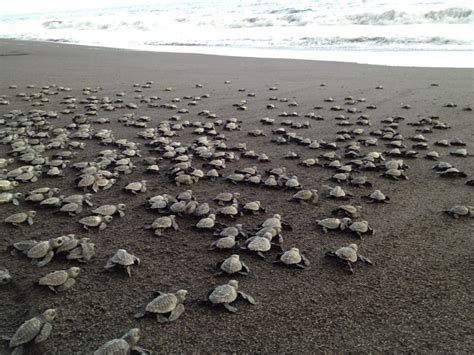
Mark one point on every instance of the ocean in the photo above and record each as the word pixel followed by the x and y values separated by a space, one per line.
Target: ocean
pixel 405 32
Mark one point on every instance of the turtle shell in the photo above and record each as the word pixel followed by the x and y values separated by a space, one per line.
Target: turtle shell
pixel 39 250
pixel 162 222
pixel 114 347
pixel 347 253
pixel 330 223
pixel 91 221
pixel 55 278
pixel 231 265
pixel 291 257
pixel 259 244
pixel 359 226
pixel 162 304
pixel 17 218
pixel 26 332
pixel 223 294
pixel 105 210
pixel 303 195
pixel 86 181
pixel 225 243
pixel 122 257
pixel 134 186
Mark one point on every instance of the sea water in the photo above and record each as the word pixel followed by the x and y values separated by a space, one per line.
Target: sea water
pixel 404 32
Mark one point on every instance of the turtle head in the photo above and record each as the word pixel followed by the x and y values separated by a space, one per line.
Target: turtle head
pixel 345 222
pixel 56 242
pixel 235 257
pixel 18 195
pixel 233 283
pixel 181 294
pixel 212 216
pixel 108 219
pixel 49 315
pixel 268 236
pixel 353 246
pixel 296 250
pixel 5 277
pixel 74 272
pixel 132 336
pixel 121 206
pixel 88 196
pixel 277 216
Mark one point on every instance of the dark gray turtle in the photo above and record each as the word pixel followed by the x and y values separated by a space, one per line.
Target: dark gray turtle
pixel 8 197
pixel 232 265
pixel 110 210
pixel 460 211
pixel 226 294
pixel 167 307
pixel 305 196
pixel 44 250
pixel 17 218
pixel 377 196
pixel 60 280
pixel 5 276
pixel 122 259
pixel 125 345
pixel 35 330
pixel 348 210
pixel 349 254
pixel 95 221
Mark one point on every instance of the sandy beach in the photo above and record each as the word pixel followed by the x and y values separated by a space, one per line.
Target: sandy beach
pixel 417 297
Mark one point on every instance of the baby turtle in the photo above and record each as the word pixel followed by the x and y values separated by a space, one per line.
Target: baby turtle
pixel 167 307
pixel 228 211
pixel 360 228
pixel 8 197
pixel 136 187
pixel 253 207
pixel 226 197
pixel 36 330
pixel 5 276
pixel 232 265
pixel 44 250
pixel 110 210
pixel 227 294
pixel 162 223
pixel 6 185
pixel 377 196
pixel 122 259
pixel 259 244
pixel 305 196
pixel 125 345
pixel 460 211
pixel 95 221
pixel 395 174
pixel 22 217
pixel 452 172
pixel 223 243
pixel 60 280
pixel 349 254
pixel 207 222
pixel 348 210
pixel 359 181
pixel 292 257
pixel 332 223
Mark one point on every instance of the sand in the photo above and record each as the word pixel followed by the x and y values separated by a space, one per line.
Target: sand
pixel 416 298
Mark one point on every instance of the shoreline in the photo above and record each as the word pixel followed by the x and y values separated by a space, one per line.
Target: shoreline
pixel 377 58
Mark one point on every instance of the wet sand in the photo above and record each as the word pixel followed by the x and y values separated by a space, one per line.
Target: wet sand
pixel 416 298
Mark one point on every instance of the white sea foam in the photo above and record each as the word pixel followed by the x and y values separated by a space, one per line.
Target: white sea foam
pixel 273 26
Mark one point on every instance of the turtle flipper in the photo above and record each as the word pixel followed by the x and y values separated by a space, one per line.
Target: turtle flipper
pixel 230 308
pixel 247 297
pixel 68 284
pixel 176 313
pixel 140 314
pixel 364 259
pixel 140 351
pixel 44 333
pixel 46 259
pixel 19 350
pixel 350 267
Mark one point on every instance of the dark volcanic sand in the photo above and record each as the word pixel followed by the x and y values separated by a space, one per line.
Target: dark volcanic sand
pixel 417 297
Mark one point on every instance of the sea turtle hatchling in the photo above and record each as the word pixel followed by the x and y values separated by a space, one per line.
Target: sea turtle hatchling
pixel 207 222
pixel 95 221
pixel 332 223
pixel 43 250
pixel 377 196
pixel 125 345
pixel 228 211
pixel 136 187
pixel 5 276
pixel 162 223
pixel 292 257
pixel 110 210
pixel 7 185
pixel 35 330
pixel 259 244
pixel 395 174
pixel 122 259
pixel 225 197
pixel 360 228
pixel 253 207
pixel 232 265
pixel 223 243
pixel 460 211
pixel 60 280
pixel 305 196
pixel 349 254
pixel 167 307
pixel 233 231
pixel 226 294
pixel 8 197
pixel 17 218
pixel 348 210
